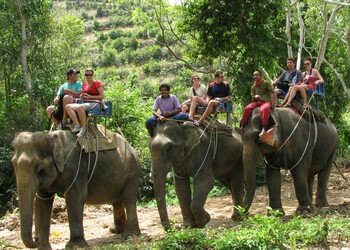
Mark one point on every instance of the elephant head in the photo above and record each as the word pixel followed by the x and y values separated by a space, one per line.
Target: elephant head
pixel 169 146
pixel 37 161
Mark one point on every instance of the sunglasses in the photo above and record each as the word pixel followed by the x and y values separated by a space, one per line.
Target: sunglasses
pixel 88 74
pixel 196 78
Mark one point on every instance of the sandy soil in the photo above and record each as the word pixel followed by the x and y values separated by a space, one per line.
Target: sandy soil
pixel 97 219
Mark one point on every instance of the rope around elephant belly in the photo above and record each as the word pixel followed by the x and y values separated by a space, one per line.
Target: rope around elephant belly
pixel 295 127
pixel 77 173
pixel 201 166
pixel 306 145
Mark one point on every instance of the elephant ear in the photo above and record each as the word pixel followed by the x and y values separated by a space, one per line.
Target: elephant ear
pixel 192 138
pixel 58 151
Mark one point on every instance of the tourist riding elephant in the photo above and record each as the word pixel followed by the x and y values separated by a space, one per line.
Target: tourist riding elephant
pixel 305 147
pixel 188 151
pixel 46 164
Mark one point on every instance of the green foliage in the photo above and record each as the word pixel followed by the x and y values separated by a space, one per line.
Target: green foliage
pixel 261 232
pixel 129 116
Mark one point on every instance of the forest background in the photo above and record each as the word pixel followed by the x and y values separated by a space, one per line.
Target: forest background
pixel 134 45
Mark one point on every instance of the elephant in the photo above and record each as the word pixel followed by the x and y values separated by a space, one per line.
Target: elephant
pixel 304 146
pixel 188 151
pixel 52 163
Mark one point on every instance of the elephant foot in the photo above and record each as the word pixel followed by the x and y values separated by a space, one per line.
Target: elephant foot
pixel 322 204
pixel 203 220
pixel 74 243
pixel 278 212
pixel 188 224
pixel 116 229
pixel 239 216
pixel 131 230
pixel 304 209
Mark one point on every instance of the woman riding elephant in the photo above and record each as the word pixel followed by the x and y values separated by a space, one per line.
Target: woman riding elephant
pixel 305 147
pixel 192 153
pixel 49 164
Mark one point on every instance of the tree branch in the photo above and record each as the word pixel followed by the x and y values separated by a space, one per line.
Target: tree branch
pixel 346 91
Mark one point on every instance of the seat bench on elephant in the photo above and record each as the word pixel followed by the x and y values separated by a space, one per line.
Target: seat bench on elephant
pixel 224 107
pixel 104 111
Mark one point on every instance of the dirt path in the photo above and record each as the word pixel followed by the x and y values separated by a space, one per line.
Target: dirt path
pixel 97 219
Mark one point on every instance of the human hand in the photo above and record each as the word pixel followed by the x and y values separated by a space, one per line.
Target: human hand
pixel 56 100
pixel 167 114
pixel 161 118
pixel 257 98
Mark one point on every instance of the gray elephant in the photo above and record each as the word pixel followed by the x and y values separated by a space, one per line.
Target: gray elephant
pixel 48 164
pixel 304 146
pixel 189 152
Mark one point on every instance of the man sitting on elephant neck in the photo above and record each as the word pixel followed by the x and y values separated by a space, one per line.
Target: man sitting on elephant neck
pixel 262 95
pixel 169 107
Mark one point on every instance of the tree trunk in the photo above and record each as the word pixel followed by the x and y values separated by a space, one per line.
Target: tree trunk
pixel 24 53
pixel 326 31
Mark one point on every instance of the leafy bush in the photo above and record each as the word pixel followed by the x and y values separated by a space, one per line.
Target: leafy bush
pixel 107 58
pixel 261 232
pixel 129 115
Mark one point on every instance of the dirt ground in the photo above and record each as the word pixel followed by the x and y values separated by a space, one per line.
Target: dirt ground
pixel 97 219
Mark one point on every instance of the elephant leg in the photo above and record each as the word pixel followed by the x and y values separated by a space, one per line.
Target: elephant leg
pixel 301 189
pixel 310 184
pixel 322 182
pixel 119 218
pixel 202 186
pixel 236 187
pixel 183 192
pixel 75 218
pixel 130 199
pixel 273 182
pixel 43 210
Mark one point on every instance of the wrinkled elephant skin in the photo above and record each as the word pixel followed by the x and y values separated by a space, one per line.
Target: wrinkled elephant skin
pixel 190 155
pixel 49 164
pixel 304 147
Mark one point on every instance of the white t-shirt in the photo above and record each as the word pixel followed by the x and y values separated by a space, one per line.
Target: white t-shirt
pixel 199 92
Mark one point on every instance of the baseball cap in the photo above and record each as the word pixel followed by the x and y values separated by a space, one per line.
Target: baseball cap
pixel 72 71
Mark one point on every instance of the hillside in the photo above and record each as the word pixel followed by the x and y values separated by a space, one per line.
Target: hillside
pixel 122 36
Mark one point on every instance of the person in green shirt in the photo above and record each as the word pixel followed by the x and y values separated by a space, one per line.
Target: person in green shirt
pixel 262 96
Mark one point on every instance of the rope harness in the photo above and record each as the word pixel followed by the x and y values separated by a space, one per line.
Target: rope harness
pixel 290 135
pixel 213 130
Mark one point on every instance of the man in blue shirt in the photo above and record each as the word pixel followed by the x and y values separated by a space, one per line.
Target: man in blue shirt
pixel 67 93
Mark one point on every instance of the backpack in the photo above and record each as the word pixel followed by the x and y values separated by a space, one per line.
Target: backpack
pixel 58 113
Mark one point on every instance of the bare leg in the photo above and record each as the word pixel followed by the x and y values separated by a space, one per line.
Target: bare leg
pixel 292 92
pixel 82 115
pixel 66 100
pixel 208 110
pixel 303 95
pixel 71 112
pixel 49 112
pixel 196 100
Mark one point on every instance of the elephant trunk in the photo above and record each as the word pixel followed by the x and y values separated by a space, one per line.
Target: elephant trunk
pixel 26 201
pixel 159 178
pixel 251 158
